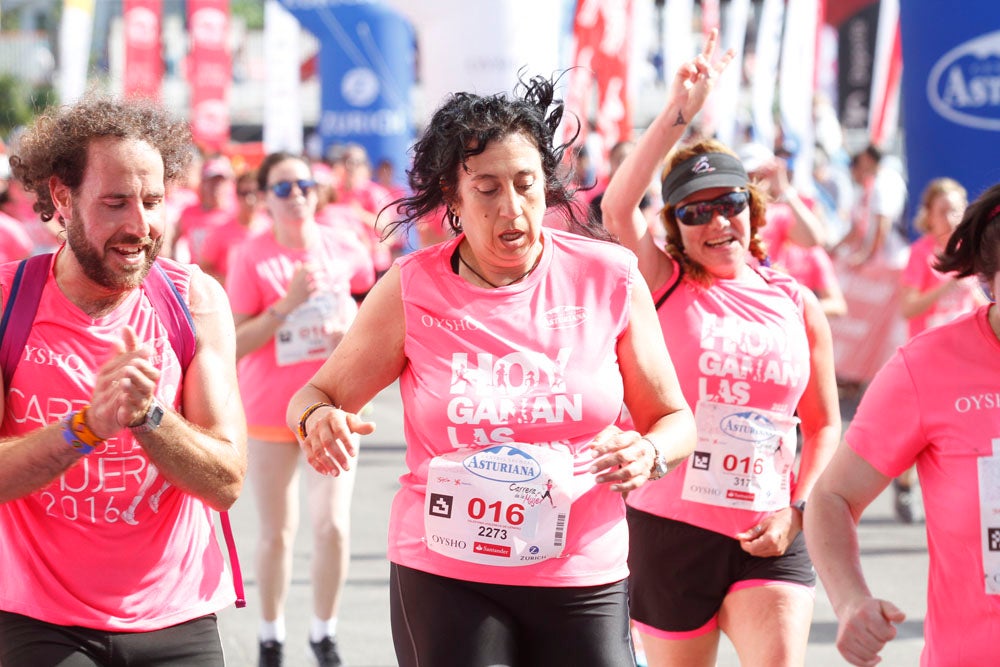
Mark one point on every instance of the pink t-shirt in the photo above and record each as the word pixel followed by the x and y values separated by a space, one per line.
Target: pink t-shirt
pixel 221 241
pixel 109 544
pixel 936 403
pixel 735 343
pixel 15 243
pixel 534 362
pixel 260 271
pixel 780 220
pixel 193 228
pixel 921 275
pixel 811 267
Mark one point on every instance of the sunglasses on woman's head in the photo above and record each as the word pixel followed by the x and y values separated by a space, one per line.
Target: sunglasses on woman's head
pixel 283 189
pixel 701 213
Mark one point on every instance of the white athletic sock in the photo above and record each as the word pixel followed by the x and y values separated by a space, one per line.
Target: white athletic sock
pixel 272 630
pixel 320 628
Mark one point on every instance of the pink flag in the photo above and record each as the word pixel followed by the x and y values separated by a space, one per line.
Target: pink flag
pixel 602 31
pixel 209 72
pixel 143 62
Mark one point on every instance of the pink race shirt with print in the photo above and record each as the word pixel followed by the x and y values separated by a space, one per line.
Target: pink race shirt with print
pixel 260 271
pixel 743 347
pixel 109 544
pixel 921 276
pixel 492 374
pixel 936 403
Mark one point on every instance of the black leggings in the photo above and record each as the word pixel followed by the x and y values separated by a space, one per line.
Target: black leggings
pixel 28 642
pixel 442 622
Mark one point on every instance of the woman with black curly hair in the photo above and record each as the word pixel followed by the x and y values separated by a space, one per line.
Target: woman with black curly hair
pixel 517 348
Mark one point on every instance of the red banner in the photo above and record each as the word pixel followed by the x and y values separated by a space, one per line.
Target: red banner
pixel 209 72
pixel 602 32
pixel 143 59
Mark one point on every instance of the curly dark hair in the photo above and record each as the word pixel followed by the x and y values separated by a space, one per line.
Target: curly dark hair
pixel 56 144
pixel 758 208
pixel 974 246
pixel 464 126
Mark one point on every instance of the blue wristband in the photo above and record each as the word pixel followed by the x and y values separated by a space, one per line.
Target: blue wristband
pixel 71 438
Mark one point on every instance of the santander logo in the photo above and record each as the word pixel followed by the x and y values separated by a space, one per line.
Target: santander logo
pixel 964 84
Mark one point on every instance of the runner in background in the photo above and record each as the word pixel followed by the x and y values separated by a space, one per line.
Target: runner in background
pixel 928 297
pixel 934 405
pixel 716 546
pixel 291 291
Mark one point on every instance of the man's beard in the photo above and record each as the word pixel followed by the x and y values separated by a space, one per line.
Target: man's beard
pixel 94 262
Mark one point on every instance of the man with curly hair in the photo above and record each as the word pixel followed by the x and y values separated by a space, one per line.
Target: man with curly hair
pixel 117 440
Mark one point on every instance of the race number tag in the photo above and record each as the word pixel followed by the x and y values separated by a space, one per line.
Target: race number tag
pixel 989 517
pixel 743 458
pixel 312 331
pixel 504 505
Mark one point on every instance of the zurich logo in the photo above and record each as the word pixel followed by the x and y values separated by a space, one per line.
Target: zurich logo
pixel 964 84
pixel 502 463
pixel 749 426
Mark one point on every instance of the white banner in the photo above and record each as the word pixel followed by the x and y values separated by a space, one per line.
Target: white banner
pixel 482 52
pixel 727 94
pixel 766 70
pixel 75 31
pixel 797 84
pixel 282 106
pixel 680 48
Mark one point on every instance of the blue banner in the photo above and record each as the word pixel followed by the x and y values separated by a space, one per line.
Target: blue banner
pixel 951 93
pixel 366 69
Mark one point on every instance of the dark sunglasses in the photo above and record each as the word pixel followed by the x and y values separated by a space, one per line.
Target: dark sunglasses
pixel 283 189
pixel 701 213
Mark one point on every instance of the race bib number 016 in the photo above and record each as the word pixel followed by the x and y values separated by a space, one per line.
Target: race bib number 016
pixel 743 459
pixel 504 505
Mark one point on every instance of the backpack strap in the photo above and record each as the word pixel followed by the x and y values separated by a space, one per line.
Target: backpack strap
pixel 19 314
pixel 175 315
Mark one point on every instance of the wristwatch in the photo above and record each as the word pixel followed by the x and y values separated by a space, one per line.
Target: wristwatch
pixel 800 505
pixel 151 422
pixel 660 465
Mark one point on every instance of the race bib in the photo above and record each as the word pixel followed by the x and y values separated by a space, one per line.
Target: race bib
pixel 989 517
pixel 743 458
pixel 504 505
pixel 312 331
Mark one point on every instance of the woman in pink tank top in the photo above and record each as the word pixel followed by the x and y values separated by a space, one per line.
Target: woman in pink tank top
pixel 517 348
pixel 716 546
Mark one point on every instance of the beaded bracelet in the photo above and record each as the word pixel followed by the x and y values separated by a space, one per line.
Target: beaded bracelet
pixel 77 433
pixel 308 412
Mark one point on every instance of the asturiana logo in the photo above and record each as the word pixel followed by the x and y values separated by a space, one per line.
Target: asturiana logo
pixel 563 317
pixel 502 463
pixel 749 426
pixel 964 84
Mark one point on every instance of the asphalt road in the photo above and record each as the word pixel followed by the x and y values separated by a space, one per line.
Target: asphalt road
pixel 894 557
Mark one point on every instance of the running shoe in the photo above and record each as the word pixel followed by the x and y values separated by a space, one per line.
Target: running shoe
pixel 326 652
pixel 903 503
pixel 270 654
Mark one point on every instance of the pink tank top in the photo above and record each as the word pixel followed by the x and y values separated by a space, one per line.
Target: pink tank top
pixel 534 362
pixel 109 544
pixel 738 344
